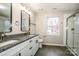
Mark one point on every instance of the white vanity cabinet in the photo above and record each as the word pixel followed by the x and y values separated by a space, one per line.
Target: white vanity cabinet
pixel 30 49
pixel 27 48
pixel 33 46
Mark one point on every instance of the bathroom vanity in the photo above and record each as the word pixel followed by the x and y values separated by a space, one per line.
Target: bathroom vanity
pixel 16 45
pixel 22 46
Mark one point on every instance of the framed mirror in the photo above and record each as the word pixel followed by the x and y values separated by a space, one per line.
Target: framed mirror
pixel 5 17
pixel 25 21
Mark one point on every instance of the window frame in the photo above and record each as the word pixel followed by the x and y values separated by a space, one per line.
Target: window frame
pixel 49 26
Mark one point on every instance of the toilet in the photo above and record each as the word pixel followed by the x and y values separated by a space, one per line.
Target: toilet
pixel 40 43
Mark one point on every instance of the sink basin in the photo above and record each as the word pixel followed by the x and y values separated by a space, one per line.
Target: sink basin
pixel 8 42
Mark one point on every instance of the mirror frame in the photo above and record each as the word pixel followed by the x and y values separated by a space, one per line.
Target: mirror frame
pixel 22 22
pixel 10 19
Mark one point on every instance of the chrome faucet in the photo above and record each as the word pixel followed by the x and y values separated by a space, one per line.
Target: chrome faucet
pixel 2 35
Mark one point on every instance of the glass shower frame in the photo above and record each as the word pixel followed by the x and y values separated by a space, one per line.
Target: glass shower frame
pixel 72 35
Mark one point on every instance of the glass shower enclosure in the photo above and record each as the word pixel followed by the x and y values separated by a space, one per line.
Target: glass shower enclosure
pixel 72 32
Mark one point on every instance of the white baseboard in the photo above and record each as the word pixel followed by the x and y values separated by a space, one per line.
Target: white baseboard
pixel 53 44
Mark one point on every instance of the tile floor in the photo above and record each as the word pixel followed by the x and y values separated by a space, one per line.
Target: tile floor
pixel 53 51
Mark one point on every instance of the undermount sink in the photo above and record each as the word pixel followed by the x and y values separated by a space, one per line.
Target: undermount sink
pixel 8 42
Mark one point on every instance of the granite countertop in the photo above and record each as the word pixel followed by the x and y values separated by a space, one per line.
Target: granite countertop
pixel 19 39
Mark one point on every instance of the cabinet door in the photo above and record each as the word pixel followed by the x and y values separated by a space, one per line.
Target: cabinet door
pixel 24 51
pixel 34 46
pixel 35 49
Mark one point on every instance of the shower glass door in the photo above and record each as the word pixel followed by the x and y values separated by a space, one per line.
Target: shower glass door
pixel 73 33
pixel 70 35
pixel 76 34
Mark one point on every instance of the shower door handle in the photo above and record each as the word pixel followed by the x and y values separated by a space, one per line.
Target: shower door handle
pixel 72 29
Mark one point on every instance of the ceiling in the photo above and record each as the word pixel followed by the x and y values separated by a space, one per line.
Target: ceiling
pixel 52 7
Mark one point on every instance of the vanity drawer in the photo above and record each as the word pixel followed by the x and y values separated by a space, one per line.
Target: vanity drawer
pixel 23 52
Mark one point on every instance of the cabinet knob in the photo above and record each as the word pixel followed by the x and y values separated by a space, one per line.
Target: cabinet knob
pixel 72 29
pixel 30 41
pixel 19 54
pixel 36 41
pixel 30 48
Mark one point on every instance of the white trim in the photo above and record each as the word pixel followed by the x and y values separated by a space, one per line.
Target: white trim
pixel 53 44
pixel 64 30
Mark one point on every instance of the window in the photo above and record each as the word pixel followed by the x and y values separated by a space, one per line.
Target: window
pixel 53 26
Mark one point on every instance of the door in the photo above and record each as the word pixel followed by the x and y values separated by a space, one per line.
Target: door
pixel 76 34
pixel 70 35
